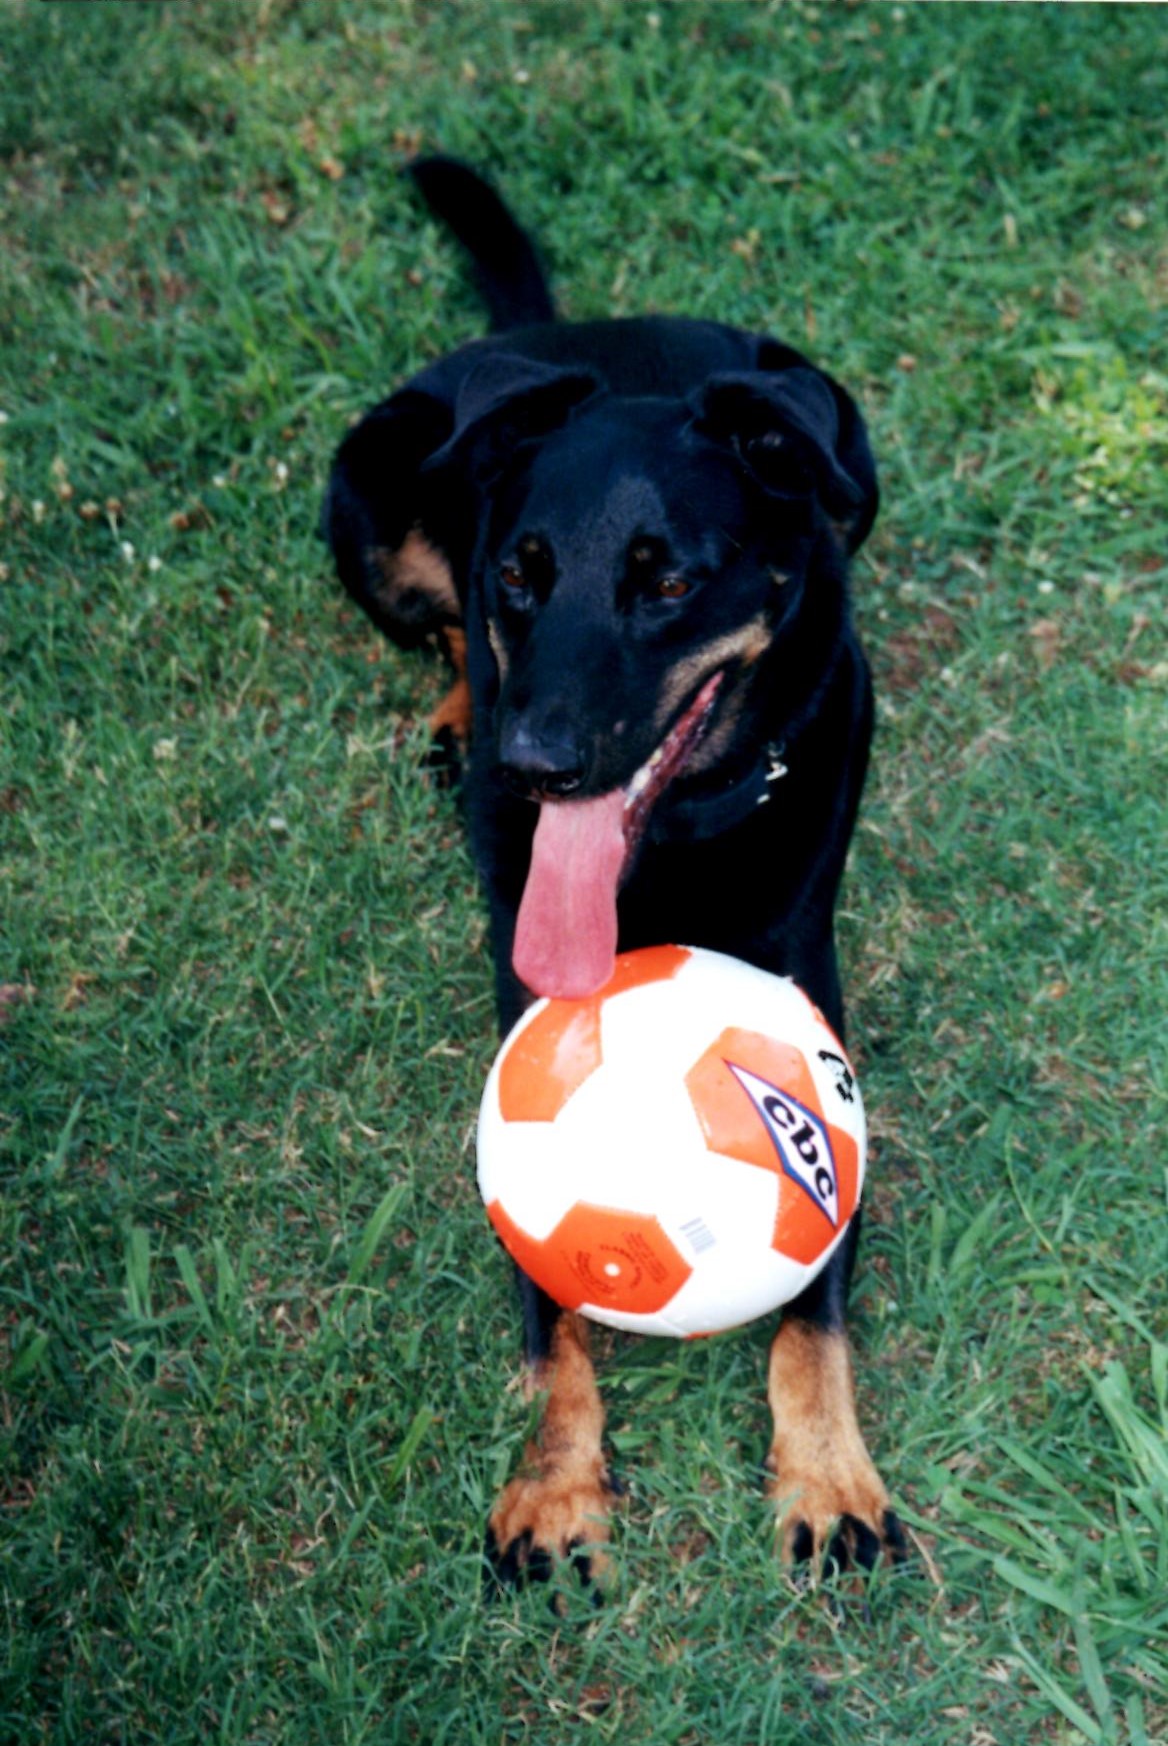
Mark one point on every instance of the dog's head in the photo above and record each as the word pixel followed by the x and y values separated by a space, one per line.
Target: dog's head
pixel 654 587
pixel 631 550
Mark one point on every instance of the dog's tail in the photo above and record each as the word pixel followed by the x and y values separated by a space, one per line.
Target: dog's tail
pixel 510 278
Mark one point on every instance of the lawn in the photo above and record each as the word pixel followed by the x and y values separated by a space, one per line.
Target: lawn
pixel 258 1350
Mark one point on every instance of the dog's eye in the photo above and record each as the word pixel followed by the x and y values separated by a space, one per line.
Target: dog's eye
pixel 649 576
pixel 530 571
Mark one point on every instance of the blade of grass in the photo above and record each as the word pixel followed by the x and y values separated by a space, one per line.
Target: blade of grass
pixel 375 1228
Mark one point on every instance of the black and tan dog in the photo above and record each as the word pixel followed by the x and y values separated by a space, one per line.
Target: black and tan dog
pixel 632 539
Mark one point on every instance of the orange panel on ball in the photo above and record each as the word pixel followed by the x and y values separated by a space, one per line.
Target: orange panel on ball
pixel 729 1120
pixel 549 1060
pixel 733 1126
pixel 800 1226
pixel 620 1261
pixel 553 1056
pixel 650 964
pixel 537 1260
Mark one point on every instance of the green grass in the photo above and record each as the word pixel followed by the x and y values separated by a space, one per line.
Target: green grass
pixel 253 1325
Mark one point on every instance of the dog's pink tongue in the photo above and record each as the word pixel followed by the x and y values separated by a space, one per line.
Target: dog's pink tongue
pixel 565 936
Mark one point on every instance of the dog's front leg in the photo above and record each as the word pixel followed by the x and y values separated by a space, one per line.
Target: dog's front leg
pixel 833 1506
pixel 557 1507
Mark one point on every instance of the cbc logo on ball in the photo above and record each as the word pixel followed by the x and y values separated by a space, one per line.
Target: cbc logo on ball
pixel 680 1152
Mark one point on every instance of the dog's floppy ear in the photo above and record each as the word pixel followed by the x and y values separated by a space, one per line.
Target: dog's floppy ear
pixel 394 566
pixel 502 401
pixel 797 431
pixel 404 498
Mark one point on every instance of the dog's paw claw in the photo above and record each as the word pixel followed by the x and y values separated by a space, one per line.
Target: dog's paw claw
pixel 802 1544
pixel 894 1537
pixel 514 1564
pixel 849 1545
pixel 543 1526
pixel 853 1546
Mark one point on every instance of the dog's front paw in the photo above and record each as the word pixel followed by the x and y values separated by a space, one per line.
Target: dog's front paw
pixel 554 1519
pixel 834 1511
pixel 837 1517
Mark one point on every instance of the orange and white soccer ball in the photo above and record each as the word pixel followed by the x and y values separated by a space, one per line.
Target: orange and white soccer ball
pixel 680 1152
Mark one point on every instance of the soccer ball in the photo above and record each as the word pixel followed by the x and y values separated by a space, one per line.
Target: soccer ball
pixel 678 1153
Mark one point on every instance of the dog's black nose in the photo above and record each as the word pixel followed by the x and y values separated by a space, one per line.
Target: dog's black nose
pixel 545 761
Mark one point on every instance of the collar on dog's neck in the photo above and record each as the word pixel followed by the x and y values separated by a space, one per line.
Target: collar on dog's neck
pixel 708 815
